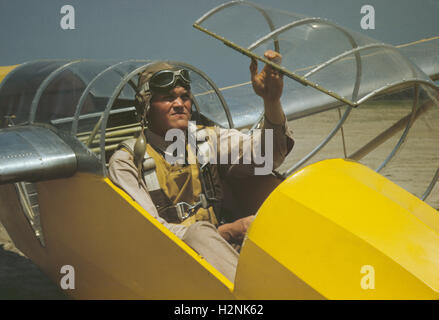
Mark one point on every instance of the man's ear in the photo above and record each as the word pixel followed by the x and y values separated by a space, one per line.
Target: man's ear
pixel 143 105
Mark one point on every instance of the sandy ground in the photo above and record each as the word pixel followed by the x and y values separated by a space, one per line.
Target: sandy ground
pixel 413 168
pixel 414 164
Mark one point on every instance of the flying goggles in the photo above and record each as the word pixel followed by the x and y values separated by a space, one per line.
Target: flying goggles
pixel 168 78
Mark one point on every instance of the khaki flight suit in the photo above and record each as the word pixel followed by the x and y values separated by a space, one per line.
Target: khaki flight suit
pixel 182 183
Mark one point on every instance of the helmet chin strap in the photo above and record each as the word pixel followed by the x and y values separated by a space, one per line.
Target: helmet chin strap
pixel 140 145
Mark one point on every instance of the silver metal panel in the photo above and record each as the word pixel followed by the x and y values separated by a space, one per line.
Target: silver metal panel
pixel 33 153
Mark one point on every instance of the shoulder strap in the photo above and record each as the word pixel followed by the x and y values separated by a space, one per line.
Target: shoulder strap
pixel 181 211
pixel 149 173
pixel 128 145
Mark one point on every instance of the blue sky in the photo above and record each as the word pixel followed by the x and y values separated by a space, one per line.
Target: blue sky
pixel 116 29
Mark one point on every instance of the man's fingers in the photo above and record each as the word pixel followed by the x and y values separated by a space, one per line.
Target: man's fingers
pixel 253 67
pixel 247 222
pixel 268 79
pixel 274 56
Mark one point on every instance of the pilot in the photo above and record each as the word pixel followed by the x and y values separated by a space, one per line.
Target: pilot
pixel 186 196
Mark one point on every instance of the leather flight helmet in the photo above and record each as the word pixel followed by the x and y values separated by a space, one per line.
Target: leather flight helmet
pixel 143 97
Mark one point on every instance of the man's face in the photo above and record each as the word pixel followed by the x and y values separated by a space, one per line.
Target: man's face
pixel 171 110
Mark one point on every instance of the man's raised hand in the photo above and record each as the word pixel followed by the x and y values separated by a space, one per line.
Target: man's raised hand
pixel 268 84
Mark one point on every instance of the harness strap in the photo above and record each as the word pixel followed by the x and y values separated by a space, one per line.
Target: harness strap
pixel 171 213
pixel 149 173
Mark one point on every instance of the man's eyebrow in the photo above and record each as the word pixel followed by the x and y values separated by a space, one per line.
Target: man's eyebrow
pixel 166 95
pixel 172 94
pixel 182 94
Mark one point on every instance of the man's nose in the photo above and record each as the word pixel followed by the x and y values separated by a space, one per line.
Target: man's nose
pixel 178 102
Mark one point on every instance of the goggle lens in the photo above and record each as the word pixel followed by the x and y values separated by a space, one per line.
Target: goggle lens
pixel 162 79
pixel 167 78
pixel 185 75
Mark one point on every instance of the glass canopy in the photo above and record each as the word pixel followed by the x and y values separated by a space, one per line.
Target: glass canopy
pixel 93 100
pixel 336 79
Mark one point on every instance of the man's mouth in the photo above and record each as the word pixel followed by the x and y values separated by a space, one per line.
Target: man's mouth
pixel 179 115
pixel 178 112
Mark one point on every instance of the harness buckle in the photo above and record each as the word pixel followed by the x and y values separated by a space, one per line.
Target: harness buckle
pixel 183 210
pixel 203 201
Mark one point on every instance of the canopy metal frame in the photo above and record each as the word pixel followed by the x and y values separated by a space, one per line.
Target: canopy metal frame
pixel 86 91
pixel 241 2
pixel 43 87
pixel 24 65
pixel 415 82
